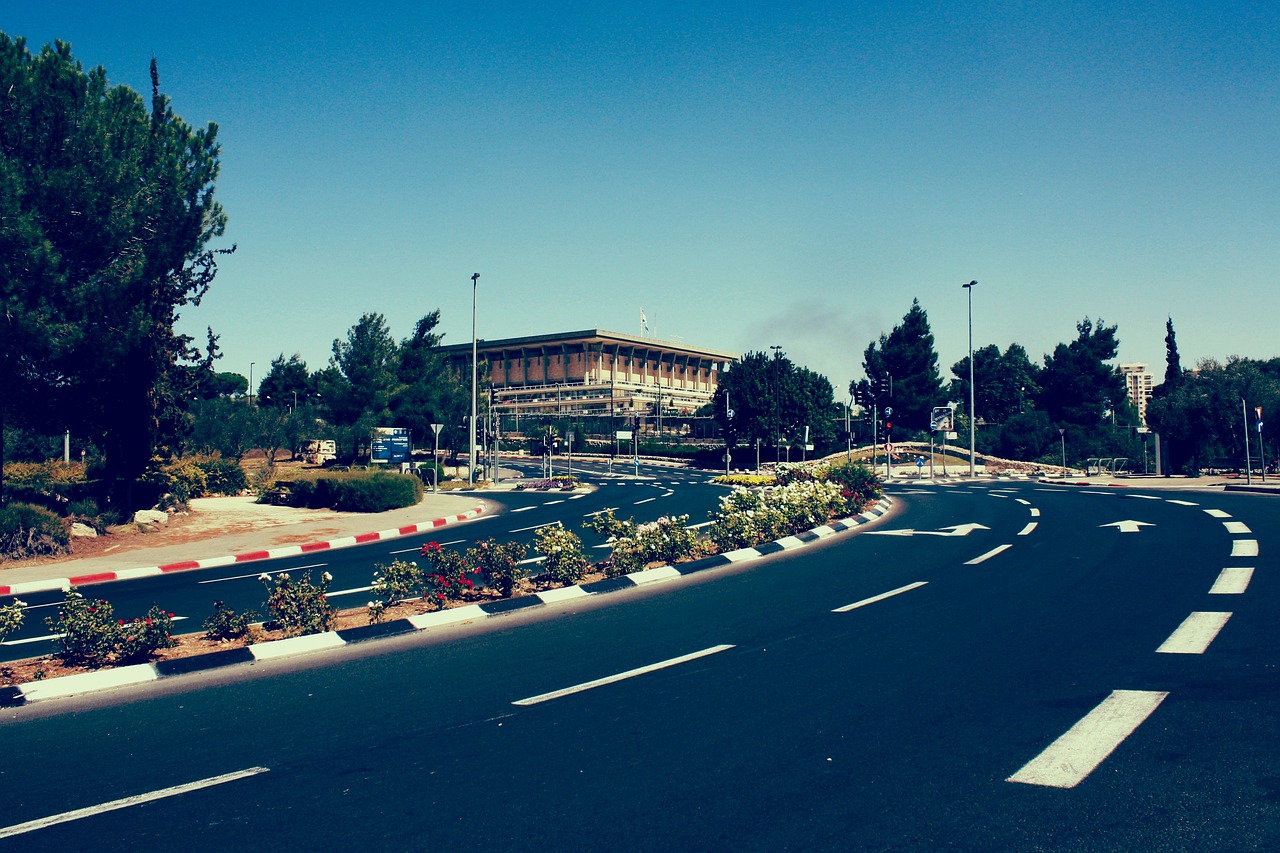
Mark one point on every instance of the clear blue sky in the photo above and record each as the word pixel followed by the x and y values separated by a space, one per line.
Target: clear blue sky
pixel 749 173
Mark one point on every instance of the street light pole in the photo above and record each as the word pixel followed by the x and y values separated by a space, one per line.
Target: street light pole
pixel 973 418
pixel 251 384
pixel 471 466
pixel 1062 434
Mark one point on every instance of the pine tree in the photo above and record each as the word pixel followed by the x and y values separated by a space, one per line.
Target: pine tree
pixel 107 211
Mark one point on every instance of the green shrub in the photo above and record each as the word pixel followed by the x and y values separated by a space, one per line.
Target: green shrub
pixel 92 636
pixel 666 541
pixel 177 481
pixel 222 476
pixel 607 526
pixel 355 491
pixel 226 624
pixel 498 565
pixel 447 579
pixel 139 638
pixel 11 618
pixel 565 561
pixel 859 484
pixel 299 607
pixel 52 484
pixel 395 581
pixel 30 531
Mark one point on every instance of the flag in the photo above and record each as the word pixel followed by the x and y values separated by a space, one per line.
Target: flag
pixel 644 323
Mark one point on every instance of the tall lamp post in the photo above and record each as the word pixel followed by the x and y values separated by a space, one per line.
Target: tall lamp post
pixel 251 384
pixel 471 466
pixel 973 419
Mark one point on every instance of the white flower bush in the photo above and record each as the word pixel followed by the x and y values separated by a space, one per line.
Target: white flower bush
pixel 565 561
pixel 666 540
pixel 749 517
pixel 11 618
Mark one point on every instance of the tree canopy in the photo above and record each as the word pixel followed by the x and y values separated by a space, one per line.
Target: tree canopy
pixel 108 210
pixel 902 371
pixel 773 400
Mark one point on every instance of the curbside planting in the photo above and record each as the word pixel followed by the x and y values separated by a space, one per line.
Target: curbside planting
pixel 54 584
pixel 37 691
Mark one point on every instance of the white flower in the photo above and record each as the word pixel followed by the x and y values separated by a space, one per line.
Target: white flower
pixel 264 577
pixel 327 577
pixel 18 602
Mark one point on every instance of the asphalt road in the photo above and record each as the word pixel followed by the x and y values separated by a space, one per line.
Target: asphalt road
pixel 885 690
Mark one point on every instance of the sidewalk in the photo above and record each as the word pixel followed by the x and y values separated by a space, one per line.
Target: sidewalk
pixel 220 530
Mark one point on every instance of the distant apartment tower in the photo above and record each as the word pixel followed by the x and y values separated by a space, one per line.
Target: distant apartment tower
pixel 1137 385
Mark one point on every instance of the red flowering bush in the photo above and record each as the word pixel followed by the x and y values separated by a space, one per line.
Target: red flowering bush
pixel 139 638
pixel 499 565
pixel 447 579
pixel 92 636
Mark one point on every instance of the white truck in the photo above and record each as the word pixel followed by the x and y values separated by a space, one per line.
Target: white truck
pixel 318 451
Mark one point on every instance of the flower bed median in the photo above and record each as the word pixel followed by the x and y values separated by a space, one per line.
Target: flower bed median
pixel 443 578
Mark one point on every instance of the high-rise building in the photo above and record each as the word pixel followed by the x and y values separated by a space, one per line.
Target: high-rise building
pixel 1137 384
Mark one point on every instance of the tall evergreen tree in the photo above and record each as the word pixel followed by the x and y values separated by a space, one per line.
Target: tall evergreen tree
pixel 905 363
pixel 107 212
pixel 1172 363
pixel 1078 387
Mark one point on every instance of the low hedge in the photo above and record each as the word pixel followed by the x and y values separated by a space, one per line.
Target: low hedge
pixel 357 491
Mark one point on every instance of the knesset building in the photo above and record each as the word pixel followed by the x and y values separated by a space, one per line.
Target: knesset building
pixel 594 373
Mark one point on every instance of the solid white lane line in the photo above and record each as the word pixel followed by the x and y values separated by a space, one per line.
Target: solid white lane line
pixel 1244 547
pixel 987 556
pixel 1236 527
pixel 1195 633
pixel 259 574
pixel 1232 581
pixel 1031 525
pixel 1069 759
pixel 135 800
pixel 645 501
pixel 1217 513
pixel 535 527
pixel 631 673
pixel 881 597
pixel 351 591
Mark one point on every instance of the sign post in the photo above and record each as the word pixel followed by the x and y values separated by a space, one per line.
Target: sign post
pixel 435 459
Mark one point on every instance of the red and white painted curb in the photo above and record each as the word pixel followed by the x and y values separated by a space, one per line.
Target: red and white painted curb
pixel 51 584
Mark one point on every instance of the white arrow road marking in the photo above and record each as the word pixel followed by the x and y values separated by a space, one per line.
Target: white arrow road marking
pixel 1128 526
pixel 1195 634
pixel 135 800
pixel 1072 757
pixel 953 530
